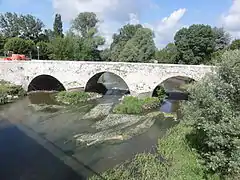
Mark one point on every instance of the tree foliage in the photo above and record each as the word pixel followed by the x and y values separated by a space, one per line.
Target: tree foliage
pixel 58 26
pixel 62 48
pixel 2 42
pixel 24 26
pixel 222 38
pixel 30 27
pixel 235 44
pixel 9 24
pixel 43 49
pixel 195 44
pixel 84 23
pixel 140 48
pixel 19 46
pixel 214 113
pixel 126 33
pixel 169 54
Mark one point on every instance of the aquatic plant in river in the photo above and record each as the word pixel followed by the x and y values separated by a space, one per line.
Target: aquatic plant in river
pixel 75 97
pixel 134 105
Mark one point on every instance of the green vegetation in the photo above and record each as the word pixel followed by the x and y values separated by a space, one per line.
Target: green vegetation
pixel 73 97
pixel 161 93
pixel 179 161
pixel 58 26
pixel 8 92
pixel 168 54
pixel 197 44
pixel 214 114
pixel 205 145
pixel 140 48
pixel 19 45
pixel 134 105
pixel 235 44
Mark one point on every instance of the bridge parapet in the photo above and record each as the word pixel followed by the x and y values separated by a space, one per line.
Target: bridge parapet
pixel 139 77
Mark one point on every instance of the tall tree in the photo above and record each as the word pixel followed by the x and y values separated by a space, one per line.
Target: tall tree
pixel 84 22
pixel 85 26
pixel 30 27
pixel 168 54
pixel 195 44
pixel 235 44
pixel 62 48
pixel 2 42
pixel 25 26
pixel 58 26
pixel 120 40
pixel 9 24
pixel 19 46
pixel 222 38
pixel 140 48
pixel 43 50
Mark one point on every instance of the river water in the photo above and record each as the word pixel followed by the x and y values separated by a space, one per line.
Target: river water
pixel 42 144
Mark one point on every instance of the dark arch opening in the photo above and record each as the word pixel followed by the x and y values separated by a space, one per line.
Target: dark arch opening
pixel 45 83
pixel 107 83
pixel 174 87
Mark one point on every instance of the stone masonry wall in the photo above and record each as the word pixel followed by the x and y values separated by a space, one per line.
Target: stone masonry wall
pixel 139 77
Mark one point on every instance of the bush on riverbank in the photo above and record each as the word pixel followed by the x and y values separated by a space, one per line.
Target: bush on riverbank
pixel 9 92
pixel 75 97
pixel 214 113
pixel 134 105
pixel 180 163
pixel 161 93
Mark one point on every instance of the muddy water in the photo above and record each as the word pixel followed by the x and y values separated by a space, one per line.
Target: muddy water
pixel 55 129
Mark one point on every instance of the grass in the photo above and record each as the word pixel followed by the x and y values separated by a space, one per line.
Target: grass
pixel 68 97
pixel 134 105
pixel 181 162
pixel 7 88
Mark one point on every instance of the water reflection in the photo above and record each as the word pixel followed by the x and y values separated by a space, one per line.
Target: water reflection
pixel 42 98
pixel 170 106
pixel 23 158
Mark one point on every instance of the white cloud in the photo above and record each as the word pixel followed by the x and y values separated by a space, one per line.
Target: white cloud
pixel 115 13
pixel 231 20
pixel 167 27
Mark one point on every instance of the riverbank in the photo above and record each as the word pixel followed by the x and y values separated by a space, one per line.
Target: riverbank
pixel 174 159
pixel 10 92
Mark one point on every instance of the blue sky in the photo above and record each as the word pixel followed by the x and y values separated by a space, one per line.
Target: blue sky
pixel 115 13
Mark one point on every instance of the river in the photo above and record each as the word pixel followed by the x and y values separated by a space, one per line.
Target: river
pixel 41 144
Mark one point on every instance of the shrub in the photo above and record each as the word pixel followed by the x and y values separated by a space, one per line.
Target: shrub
pixel 214 113
pixel 11 89
pixel 7 88
pixel 161 93
pixel 134 105
pixel 180 163
pixel 19 46
pixel 72 97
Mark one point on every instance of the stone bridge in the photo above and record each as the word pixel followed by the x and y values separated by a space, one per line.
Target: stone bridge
pixel 138 77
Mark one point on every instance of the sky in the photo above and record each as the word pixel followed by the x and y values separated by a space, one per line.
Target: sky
pixel 164 17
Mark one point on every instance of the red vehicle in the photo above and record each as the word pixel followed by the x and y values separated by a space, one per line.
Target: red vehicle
pixel 19 57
